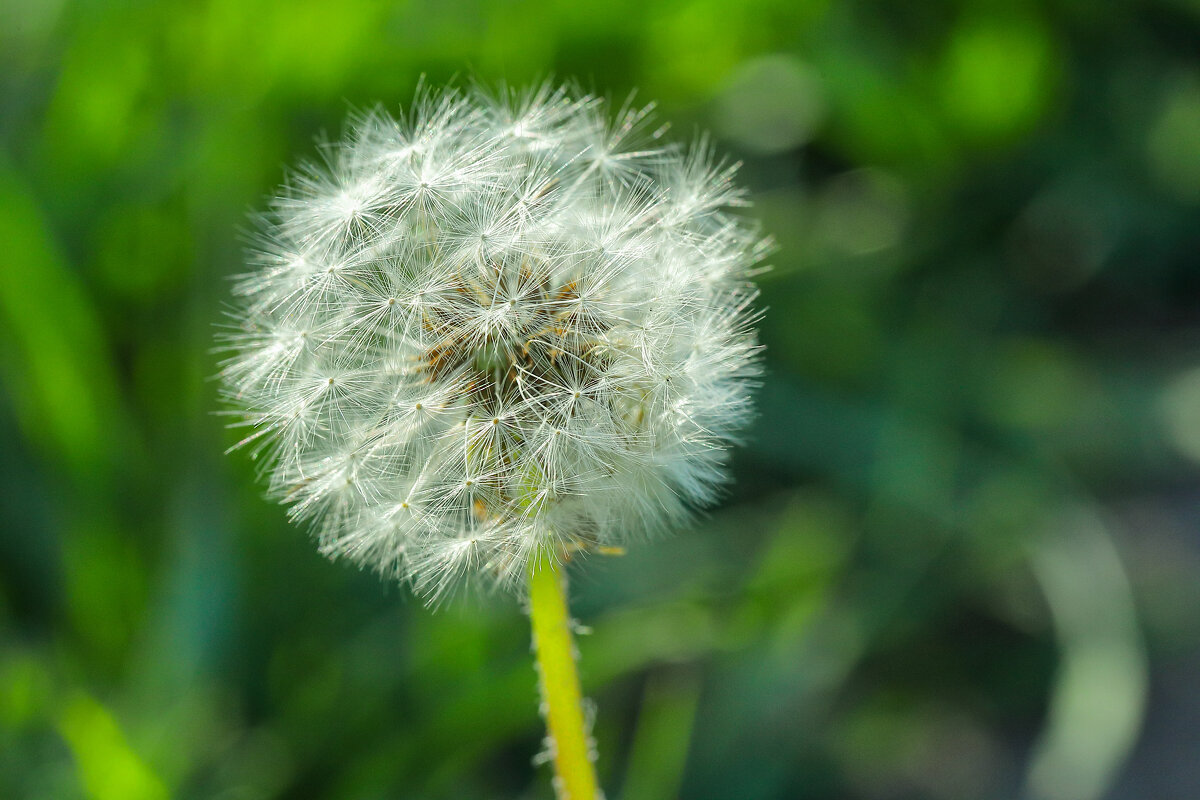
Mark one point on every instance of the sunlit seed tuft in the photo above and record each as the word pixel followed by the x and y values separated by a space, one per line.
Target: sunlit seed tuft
pixel 498 324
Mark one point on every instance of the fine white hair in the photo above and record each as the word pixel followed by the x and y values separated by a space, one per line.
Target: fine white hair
pixel 502 324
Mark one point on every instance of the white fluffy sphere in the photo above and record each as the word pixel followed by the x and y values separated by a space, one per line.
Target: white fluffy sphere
pixel 497 326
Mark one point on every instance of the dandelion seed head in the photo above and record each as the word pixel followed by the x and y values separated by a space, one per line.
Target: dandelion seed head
pixel 498 324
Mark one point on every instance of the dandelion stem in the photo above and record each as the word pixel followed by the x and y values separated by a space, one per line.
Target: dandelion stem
pixel 576 777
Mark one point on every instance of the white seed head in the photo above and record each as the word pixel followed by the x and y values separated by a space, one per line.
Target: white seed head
pixel 498 325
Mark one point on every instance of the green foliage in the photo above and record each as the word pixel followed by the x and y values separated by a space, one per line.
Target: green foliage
pixel 962 541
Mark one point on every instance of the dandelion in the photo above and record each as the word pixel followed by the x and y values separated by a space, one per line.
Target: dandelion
pixel 493 333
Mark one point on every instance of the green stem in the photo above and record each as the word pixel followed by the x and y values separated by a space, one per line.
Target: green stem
pixel 576 777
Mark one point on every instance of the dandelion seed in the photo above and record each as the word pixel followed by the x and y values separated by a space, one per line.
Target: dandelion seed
pixel 531 321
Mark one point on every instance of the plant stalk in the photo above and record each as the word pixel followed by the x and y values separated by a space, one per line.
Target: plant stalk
pixel 575 775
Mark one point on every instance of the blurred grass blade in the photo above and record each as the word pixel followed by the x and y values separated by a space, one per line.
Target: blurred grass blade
pixel 664 731
pixel 1097 706
pixel 108 767
pixel 56 366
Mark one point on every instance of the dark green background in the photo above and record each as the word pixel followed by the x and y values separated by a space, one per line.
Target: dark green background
pixel 960 559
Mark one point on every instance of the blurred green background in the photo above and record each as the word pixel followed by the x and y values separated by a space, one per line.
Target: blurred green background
pixel 962 555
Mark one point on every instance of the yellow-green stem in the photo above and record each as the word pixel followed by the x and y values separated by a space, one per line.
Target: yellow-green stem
pixel 560 681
